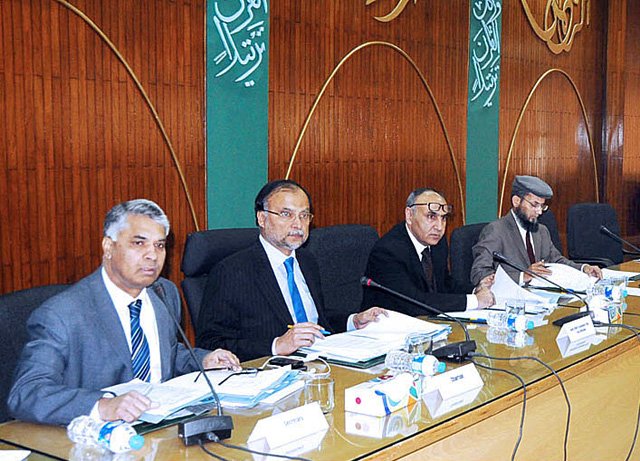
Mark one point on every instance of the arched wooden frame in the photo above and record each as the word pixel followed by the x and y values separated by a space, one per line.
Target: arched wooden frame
pixel 424 83
pixel 517 127
pixel 147 100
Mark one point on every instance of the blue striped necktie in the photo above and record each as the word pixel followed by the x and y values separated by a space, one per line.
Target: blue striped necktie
pixel 140 360
pixel 298 307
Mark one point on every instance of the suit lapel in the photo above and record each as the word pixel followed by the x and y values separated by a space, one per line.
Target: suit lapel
pixel 516 240
pixel 107 321
pixel 267 284
pixel 163 322
pixel 411 255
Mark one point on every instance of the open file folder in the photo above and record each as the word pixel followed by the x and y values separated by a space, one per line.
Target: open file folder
pixel 238 391
pixel 375 340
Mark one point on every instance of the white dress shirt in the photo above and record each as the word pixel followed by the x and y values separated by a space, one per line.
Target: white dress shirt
pixel 277 259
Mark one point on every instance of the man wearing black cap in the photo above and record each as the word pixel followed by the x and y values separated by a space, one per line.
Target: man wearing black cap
pixel 520 238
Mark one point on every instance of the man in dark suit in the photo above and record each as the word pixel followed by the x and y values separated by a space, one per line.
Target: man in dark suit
pixel 108 328
pixel 520 238
pixel 267 299
pixel 412 258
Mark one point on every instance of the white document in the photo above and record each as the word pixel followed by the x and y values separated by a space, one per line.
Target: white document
pixel 607 273
pixel 565 276
pixel 376 339
pixel 504 288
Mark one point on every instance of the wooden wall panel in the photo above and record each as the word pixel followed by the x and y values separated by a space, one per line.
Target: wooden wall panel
pixel 375 135
pixel 76 136
pixel 627 199
pixel 552 142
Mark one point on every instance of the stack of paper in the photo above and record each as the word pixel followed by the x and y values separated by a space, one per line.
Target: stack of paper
pixel 240 390
pixel 376 339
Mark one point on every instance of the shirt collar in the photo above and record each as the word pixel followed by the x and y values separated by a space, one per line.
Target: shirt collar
pixel 118 295
pixel 275 256
pixel 417 245
pixel 522 230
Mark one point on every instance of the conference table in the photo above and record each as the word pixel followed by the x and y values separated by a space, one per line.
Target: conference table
pixel 602 384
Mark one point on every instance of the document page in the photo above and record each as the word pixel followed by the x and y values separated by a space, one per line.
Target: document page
pixel 565 276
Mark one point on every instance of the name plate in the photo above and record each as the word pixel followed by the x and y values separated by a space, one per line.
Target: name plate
pixel 289 426
pixel 576 336
pixel 452 389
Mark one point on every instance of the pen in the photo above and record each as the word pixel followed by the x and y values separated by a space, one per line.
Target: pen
pixel 481 321
pixel 324 332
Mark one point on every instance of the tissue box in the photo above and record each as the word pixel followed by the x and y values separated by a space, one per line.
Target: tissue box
pixel 383 395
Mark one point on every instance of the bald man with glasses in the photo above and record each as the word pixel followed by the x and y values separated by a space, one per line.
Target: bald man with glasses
pixel 267 299
pixel 521 238
pixel 412 258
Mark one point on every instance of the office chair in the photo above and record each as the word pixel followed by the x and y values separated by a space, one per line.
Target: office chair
pixel 585 242
pixel 462 241
pixel 549 219
pixel 202 251
pixel 342 252
pixel 15 309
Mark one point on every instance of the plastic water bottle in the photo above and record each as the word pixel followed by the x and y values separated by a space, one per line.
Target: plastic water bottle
pixel 117 436
pixel 611 289
pixel 509 322
pixel 401 361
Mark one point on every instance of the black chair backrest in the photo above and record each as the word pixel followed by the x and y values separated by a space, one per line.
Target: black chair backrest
pixel 584 239
pixel 342 252
pixel 462 241
pixel 15 309
pixel 549 219
pixel 202 251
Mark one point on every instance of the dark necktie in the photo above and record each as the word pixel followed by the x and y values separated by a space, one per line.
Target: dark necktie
pixel 530 253
pixel 140 359
pixel 427 266
pixel 296 300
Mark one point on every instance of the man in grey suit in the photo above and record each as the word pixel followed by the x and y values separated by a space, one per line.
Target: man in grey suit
pixel 520 238
pixel 108 328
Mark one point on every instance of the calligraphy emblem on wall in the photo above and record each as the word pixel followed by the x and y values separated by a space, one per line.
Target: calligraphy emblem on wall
pixel 563 19
pixel 394 13
pixel 485 50
pixel 241 31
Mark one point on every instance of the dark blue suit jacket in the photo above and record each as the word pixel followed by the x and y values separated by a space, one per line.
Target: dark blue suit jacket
pixel 394 263
pixel 243 309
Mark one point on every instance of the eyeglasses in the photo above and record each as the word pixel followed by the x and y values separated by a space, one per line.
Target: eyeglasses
pixel 537 206
pixel 290 216
pixel 435 207
pixel 244 371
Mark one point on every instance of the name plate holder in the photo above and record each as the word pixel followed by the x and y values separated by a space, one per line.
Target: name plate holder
pixel 453 389
pixel 576 336
pixel 287 430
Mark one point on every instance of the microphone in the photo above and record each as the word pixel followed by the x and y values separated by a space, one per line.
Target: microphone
pixel 497 256
pixel 604 230
pixel 454 351
pixel 202 428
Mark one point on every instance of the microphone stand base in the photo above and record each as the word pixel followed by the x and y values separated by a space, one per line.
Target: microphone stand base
pixel 455 352
pixel 570 318
pixel 202 429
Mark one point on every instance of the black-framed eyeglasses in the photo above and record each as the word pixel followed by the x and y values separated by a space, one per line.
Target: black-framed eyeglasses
pixel 244 371
pixel 536 206
pixel 435 207
pixel 289 216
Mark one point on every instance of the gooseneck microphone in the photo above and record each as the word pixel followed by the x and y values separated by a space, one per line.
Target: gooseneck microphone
pixel 200 429
pixel 454 351
pixel 497 256
pixel 605 230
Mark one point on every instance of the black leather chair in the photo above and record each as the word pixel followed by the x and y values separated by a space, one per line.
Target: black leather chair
pixel 15 309
pixel 462 241
pixel 549 219
pixel 202 251
pixel 585 242
pixel 342 252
